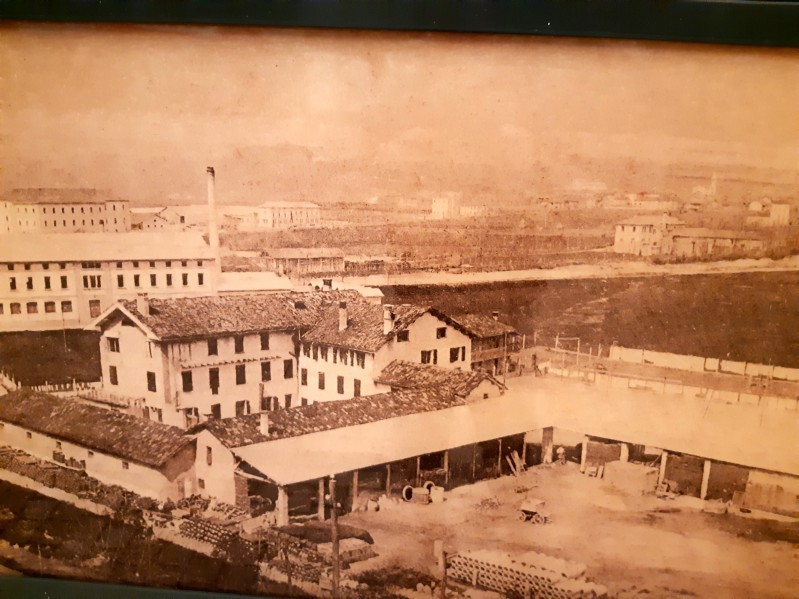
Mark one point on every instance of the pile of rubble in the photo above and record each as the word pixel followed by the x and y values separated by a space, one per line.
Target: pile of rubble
pixel 543 576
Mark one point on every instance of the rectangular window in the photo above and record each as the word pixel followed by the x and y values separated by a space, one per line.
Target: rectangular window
pixel 209 456
pixel 287 401
pixel 304 401
pixel 213 380
pixel 463 353
pixel 315 352
pixel 454 353
pixel 184 263
pixel 153 280
pixel 112 375
pixel 188 382
pixel 151 381
pixel 304 376
pixel 185 278
pixel 120 281
pixel 324 353
pixel 135 264
pixel 2 309
pixel 238 344
pixel 119 264
pixel 200 279
pixel 216 411
pixel 266 404
pixel 321 380
pixel 288 369
pixel 66 306
pixel 12 284
pixel 241 408
pixel 340 384
pixel 113 344
pixel 201 482
pixel 306 351
pixel 63 282
pixel 137 280
pixel 16 308
pixel 152 264
pixel 28 435
pixel 125 466
pixel 47 282
pixel 356 388
pixel 29 283
pixel 169 280
pixel 94 308
pixel 266 371
pixel 441 332
pixel 264 340
pixel 403 335
pixel 241 374
pixel 199 262
pixel 49 307
pixel 360 359
pixel 213 349
pixel 435 356
pixel 32 308
pixel 426 356
pixel 168 263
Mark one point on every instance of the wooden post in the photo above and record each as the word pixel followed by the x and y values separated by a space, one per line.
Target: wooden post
pixel 334 534
pixel 547 444
pixel 418 471
pixel 388 480
pixel 705 479
pixel 474 462
pixel 584 454
pixel 282 507
pixel 663 459
pixel 320 510
pixel 446 466
pixel 354 489
pixel 499 458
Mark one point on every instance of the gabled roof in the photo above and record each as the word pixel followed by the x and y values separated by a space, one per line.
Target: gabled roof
pixel 481 326
pixel 401 374
pixel 104 247
pixel 364 330
pixel 323 416
pixel 197 317
pixel 113 433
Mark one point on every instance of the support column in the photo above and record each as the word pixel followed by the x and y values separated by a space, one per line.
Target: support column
pixel 354 489
pixel 474 462
pixel 388 480
pixel 418 471
pixel 625 453
pixel 663 459
pixel 584 454
pixel 499 459
pixel 547 444
pixel 705 479
pixel 320 510
pixel 446 466
pixel 282 507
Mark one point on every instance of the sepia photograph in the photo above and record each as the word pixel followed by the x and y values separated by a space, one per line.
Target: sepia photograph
pixel 361 314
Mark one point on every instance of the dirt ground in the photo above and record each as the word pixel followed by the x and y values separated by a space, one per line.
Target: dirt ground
pixel 626 543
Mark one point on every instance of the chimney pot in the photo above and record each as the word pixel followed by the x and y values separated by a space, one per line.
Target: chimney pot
pixel 388 318
pixel 342 316
pixel 495 314
pixel 142 304
pixel 263 423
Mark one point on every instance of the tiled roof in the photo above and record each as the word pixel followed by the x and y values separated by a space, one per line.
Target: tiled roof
pixel 411 375
pixel 651 220
pixel 191 317
pixel 288 204
pixel 113 433
pixel 90 247
pixel 482 326
pixel 714 234
pixel 364 330
pixel 324 416
pixel 56 195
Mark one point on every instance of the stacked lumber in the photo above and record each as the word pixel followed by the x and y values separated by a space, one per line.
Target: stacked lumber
pixel 539 575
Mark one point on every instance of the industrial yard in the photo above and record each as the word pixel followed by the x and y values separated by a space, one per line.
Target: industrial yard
pixel 636 545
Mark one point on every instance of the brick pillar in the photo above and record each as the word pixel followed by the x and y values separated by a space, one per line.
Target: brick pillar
pixel 320 509
pixel 625 453
pixel 705 479
pixel 547 444
pixel 282 507
pixel 354 490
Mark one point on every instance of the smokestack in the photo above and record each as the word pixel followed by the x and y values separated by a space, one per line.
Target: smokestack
pixel 388 318
pixel 142 304
pixel 213 229
pixel 342 316
pixel 495 314
pixel 263 423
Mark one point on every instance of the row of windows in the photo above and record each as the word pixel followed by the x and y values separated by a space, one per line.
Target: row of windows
pixel 154 263
pixel 100 222
pixel 12 283
pixel 72 209
pixel 238 344
pixel 59 447
pixel 33 307
pixel 356 383
pixel 430 356
pixel 45 265
pixel 345 356
pixel 184 279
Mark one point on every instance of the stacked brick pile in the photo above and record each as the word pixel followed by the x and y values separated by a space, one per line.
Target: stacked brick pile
pixel 501 572
pixel 299 570
pixel 205 531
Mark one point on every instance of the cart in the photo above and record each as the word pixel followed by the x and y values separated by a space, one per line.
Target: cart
pixel 533 510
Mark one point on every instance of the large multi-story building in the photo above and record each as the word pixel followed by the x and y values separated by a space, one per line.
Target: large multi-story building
pixel 62 211
pixel 343 354
pixel 645 235
pixel 192 359
pixel 53 281
pixel 287 215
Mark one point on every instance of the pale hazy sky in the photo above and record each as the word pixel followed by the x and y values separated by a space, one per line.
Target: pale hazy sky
pixel 304 113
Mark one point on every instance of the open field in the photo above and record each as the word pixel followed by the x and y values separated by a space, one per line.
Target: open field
pixel 746 316
pixel 631 543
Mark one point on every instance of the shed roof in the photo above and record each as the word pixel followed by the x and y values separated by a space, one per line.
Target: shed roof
pixel 364 330
pixel 113 433
pixel 481 326
pixel 193 317
pixel 324 416
pixel 303 253
pixel 104 247
pixel 412 375
pixel 651 219
pixel 705 233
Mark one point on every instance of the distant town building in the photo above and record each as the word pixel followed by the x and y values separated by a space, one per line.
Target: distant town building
pixel 304 261
pixel 495 345
pixel 160 219
pixel 287 215
pixel 343 354
pixel 52 281
pixel 645 235
pixel 770 215
pixel 446 206
pixel 186 360
pixel 46 210
pixel 700 243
